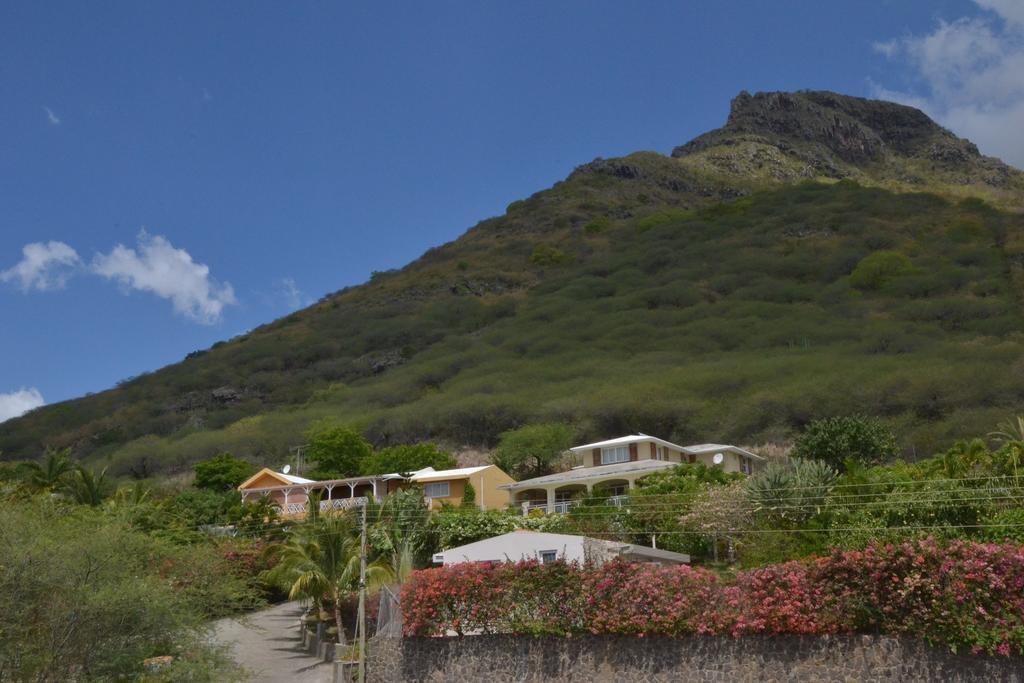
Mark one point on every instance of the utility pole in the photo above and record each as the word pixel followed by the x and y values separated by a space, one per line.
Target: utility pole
pixel 362 601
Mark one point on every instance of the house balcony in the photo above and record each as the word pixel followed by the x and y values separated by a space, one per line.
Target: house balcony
pixel 327 505
pixel 557 493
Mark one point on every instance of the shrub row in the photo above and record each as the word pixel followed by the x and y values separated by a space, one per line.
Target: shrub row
pixel 960 595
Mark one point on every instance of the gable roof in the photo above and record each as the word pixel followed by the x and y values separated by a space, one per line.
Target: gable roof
pixel 280 476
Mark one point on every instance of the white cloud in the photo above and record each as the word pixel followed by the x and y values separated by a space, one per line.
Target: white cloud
pixel 294 297
pixel 970 74
pixel 158 267
pixel 51 117
pixel 19 402
pixel 43 266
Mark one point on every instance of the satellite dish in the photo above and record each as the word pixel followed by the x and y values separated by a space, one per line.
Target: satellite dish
pixel 286 469
pixel 718 458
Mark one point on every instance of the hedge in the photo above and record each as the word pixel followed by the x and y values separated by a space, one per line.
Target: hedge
pixel 961 595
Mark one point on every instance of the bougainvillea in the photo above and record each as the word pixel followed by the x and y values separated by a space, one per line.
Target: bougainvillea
pixel 959 595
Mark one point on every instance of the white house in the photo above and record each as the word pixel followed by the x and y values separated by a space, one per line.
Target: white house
pixel 617 464
pixel 545 547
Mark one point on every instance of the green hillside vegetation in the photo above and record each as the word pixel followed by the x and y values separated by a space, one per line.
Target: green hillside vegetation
pixel 720 301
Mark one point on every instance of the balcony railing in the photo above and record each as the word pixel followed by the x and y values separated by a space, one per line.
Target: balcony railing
pixel 618 501
pixel 327 505
pixel 559 506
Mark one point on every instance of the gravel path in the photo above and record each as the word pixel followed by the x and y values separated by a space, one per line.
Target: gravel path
pixel 267 644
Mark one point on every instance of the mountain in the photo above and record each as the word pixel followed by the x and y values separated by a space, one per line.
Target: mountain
pixel 819 254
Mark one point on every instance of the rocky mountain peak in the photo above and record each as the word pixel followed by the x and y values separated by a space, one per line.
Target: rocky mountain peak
pixel 854 129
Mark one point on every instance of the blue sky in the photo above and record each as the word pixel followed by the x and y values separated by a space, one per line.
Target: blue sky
pixel 175 173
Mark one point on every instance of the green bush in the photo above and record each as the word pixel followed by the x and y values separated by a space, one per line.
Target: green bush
pixel 598 225
pixel 468 495
pixel 876 269
pixel 547 255
pixel 91 598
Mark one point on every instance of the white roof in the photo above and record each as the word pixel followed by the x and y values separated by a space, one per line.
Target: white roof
pixel 640 437
pixel 582 474
pixel 718 448
pixel 431 473
pixel 293 479
pixel 522 544
pixel 623 440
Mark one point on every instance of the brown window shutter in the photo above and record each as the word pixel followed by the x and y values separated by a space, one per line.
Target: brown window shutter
pixel 597 457
pixel 692 458
pixel 632 452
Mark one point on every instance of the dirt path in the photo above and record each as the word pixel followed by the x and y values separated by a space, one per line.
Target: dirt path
pixel 267 644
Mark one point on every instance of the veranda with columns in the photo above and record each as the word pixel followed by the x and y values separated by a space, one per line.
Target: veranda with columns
pixel 558 492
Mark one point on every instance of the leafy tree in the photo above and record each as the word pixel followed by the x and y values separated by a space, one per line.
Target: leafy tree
pixel 338 452
pixel 532 451
pixel 321 563
pixel 468 495
pixel 222 472
pixel 658 500
pixel 836 439
pixel 717 513
pixel 49 474
pixel 407 458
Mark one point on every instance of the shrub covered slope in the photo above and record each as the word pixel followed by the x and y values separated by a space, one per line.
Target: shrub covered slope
pixel 819 255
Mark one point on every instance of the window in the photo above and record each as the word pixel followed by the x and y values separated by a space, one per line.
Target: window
pixel 613 455
pixel 659 453
pixel 438 489
pixel 746 465
pixel 548 556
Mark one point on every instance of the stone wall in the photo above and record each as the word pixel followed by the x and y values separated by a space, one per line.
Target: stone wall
pixel 600 659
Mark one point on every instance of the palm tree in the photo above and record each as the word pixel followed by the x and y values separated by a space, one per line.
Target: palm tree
pixel 963 457
pixel 1010 434
pixel 1009 431
pixel 321 562
pixel 400 520
pixel 49 474
pixel 88 488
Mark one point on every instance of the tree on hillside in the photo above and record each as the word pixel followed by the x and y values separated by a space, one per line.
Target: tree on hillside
pixel 222 472
pixel 532 451
pixel 50 473
pixel 338 452
pixel 836 439
pixel 407 458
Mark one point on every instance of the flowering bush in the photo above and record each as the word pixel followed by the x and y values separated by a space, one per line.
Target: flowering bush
pixel 960 595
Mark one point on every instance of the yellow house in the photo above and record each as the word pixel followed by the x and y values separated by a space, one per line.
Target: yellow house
pixel 291 493
pixel 448 486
